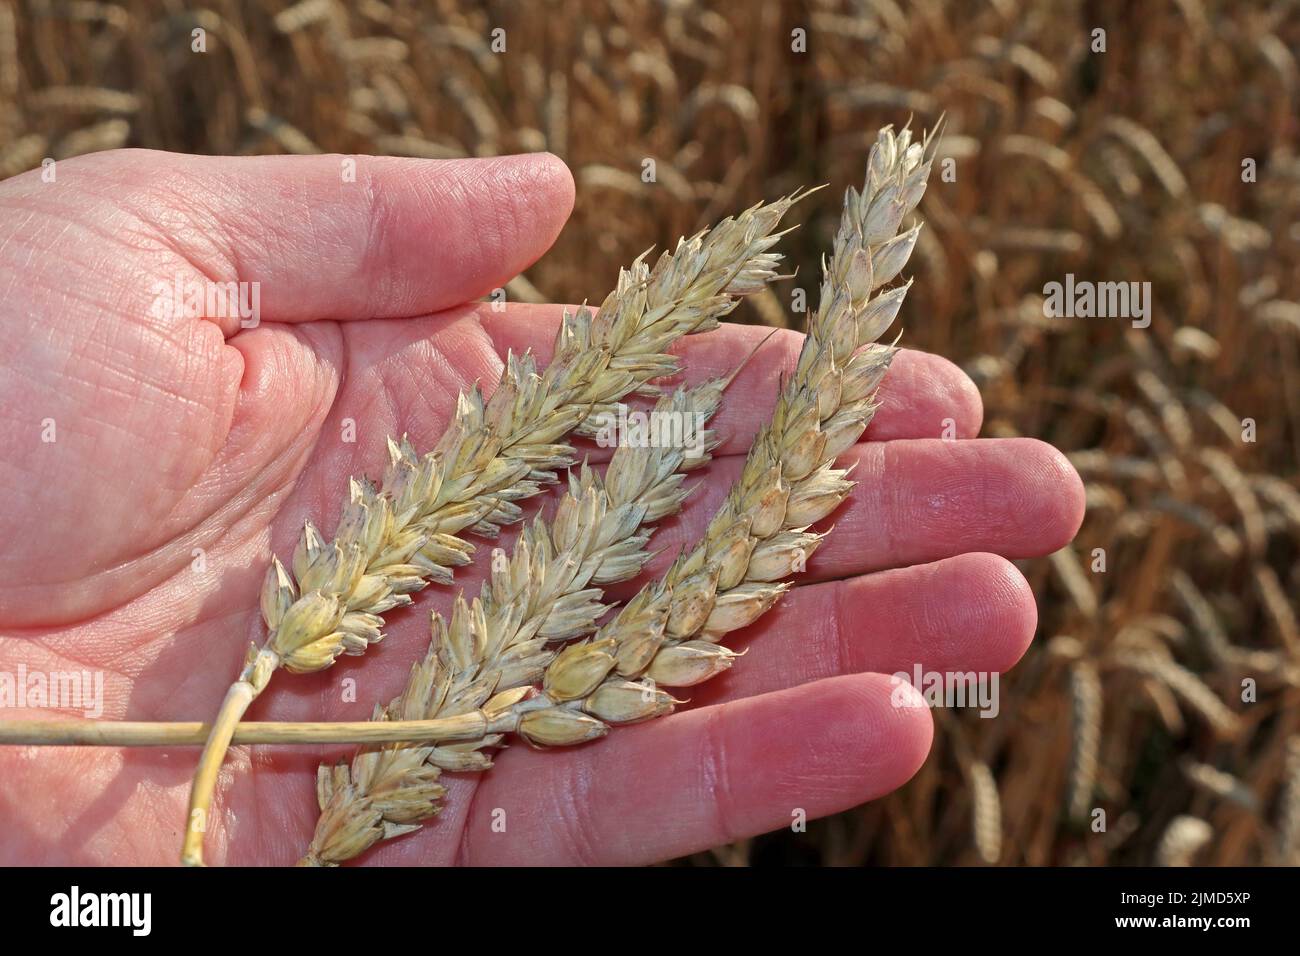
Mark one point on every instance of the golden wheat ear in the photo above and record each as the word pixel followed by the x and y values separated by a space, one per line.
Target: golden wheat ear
pixel 668 634
pixel 393 539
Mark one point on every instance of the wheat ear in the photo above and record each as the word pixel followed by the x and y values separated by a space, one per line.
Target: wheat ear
pixel 668 633
pixel 486 658
pixel 391 541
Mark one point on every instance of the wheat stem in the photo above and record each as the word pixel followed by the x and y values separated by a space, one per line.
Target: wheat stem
pixel 144 733
pixel 257 671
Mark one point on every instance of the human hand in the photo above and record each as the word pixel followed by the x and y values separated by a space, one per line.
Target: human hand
pixel 186 450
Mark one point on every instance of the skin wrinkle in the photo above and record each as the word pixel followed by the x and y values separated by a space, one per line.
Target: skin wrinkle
pixel 62 641
pixel 484 235
pixel 334 336
pixel 40 242
pixel 464 833
pixel 55 644
pixel 329 480
pixel 160 201
pixel 839 654
pixel 955 395
pixel 572 801
pixel 716 787
pixel 405 411
pixel 884 495
pixel 380 219
pixel 92 406
pixel 16 229
pixel 220 517
pixel 449 383
pixel 926 617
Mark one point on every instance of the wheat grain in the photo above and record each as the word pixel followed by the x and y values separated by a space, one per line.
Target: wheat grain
pixel 391 540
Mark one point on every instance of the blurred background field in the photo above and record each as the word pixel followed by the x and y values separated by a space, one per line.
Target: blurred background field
pixel 1170 158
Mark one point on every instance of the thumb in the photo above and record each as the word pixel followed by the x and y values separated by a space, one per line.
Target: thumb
pixel 352 237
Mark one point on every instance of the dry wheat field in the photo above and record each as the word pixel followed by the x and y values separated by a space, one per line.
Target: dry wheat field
pixel 1106 140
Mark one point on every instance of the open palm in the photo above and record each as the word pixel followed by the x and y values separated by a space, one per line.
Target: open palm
pixel 151 464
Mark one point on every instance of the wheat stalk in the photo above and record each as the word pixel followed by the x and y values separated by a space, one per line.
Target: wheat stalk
pixel 668 633
pixel 390 541
pixel 487 657
pixel 144 733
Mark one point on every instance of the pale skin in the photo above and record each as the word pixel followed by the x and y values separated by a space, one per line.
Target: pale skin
pixel 187 450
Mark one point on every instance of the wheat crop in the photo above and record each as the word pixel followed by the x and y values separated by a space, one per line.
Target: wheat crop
pixel 492 652
pixel 393 539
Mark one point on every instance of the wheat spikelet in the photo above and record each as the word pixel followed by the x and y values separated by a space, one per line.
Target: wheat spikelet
pixel 1076 581
pixel 1283 498
pixel 393 539
pixel 287 136
pixel 1144 143
pixel 1226 473
pixel 1272 594
pixel 492 651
